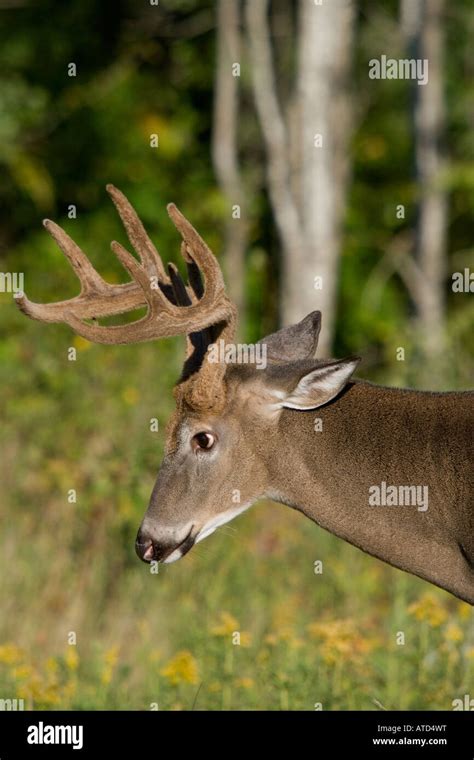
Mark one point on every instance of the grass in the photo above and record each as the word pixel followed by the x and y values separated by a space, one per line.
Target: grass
pixel 243 622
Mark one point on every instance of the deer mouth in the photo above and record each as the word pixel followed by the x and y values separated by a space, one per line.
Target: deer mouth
pixel 151 550
pixel 180 550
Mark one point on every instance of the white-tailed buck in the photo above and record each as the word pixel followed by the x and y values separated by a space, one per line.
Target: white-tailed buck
pixel 389 470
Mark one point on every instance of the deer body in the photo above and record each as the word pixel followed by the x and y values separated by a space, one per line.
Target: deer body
pixel 388 470
pixel 372 434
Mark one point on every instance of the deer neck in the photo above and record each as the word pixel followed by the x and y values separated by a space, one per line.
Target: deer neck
pixel 332 464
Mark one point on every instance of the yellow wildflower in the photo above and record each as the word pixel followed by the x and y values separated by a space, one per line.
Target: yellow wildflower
pixel 340 640
pixel 40 694
pixel 271 639
pixel 296 643
pixel 51 667
pixel 81 344
pixel 106 675
pixel 22 672
pixel 69 689
pixel 453 633
pixel 284 614
pixel 428 608
pixel 263 656
pixel 226 626
pixel 285 634
pixel 464 610
pixel 110 661
pixel 48 696
pixel 10 654
pixel 245 639
pixel 111 656
pixel 182 668
pixel 245 682
pixel 71 658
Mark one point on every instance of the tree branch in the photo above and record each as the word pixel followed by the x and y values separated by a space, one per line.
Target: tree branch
pixel 225 143
pixel 272 124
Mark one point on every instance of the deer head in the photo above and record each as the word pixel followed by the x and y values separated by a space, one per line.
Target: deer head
pixel 220 445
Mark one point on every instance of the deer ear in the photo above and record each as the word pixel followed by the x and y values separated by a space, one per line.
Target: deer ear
pixel 296 342
pixel 320 385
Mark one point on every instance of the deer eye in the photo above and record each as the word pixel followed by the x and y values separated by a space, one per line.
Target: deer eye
pixel 203 441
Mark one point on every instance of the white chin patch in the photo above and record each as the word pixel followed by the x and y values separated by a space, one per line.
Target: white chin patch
pixel 216 522
pixel 173 557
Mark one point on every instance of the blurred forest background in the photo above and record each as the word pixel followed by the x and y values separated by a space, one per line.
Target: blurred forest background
pixel 383 211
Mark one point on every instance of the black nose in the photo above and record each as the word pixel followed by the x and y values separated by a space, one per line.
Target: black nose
pixel 145 547
pixel 150 549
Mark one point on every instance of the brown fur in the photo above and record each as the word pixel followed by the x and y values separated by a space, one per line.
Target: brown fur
pixel 261 423
pixel 370 433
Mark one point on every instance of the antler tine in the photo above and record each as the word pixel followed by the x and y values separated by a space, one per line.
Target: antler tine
pixel 90 279
pixel 173 308
pixel 137 234
pixel 97 297
pixel 196 249
pixel 155 324
pixel 145 248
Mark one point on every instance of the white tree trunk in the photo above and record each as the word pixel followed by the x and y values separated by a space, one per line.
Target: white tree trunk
pixel 273 127
pixel 325 52
pixel 225 146
pixel 423 26
pixel 307 183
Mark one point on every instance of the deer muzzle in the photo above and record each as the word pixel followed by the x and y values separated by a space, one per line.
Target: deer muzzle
pixel 152 548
